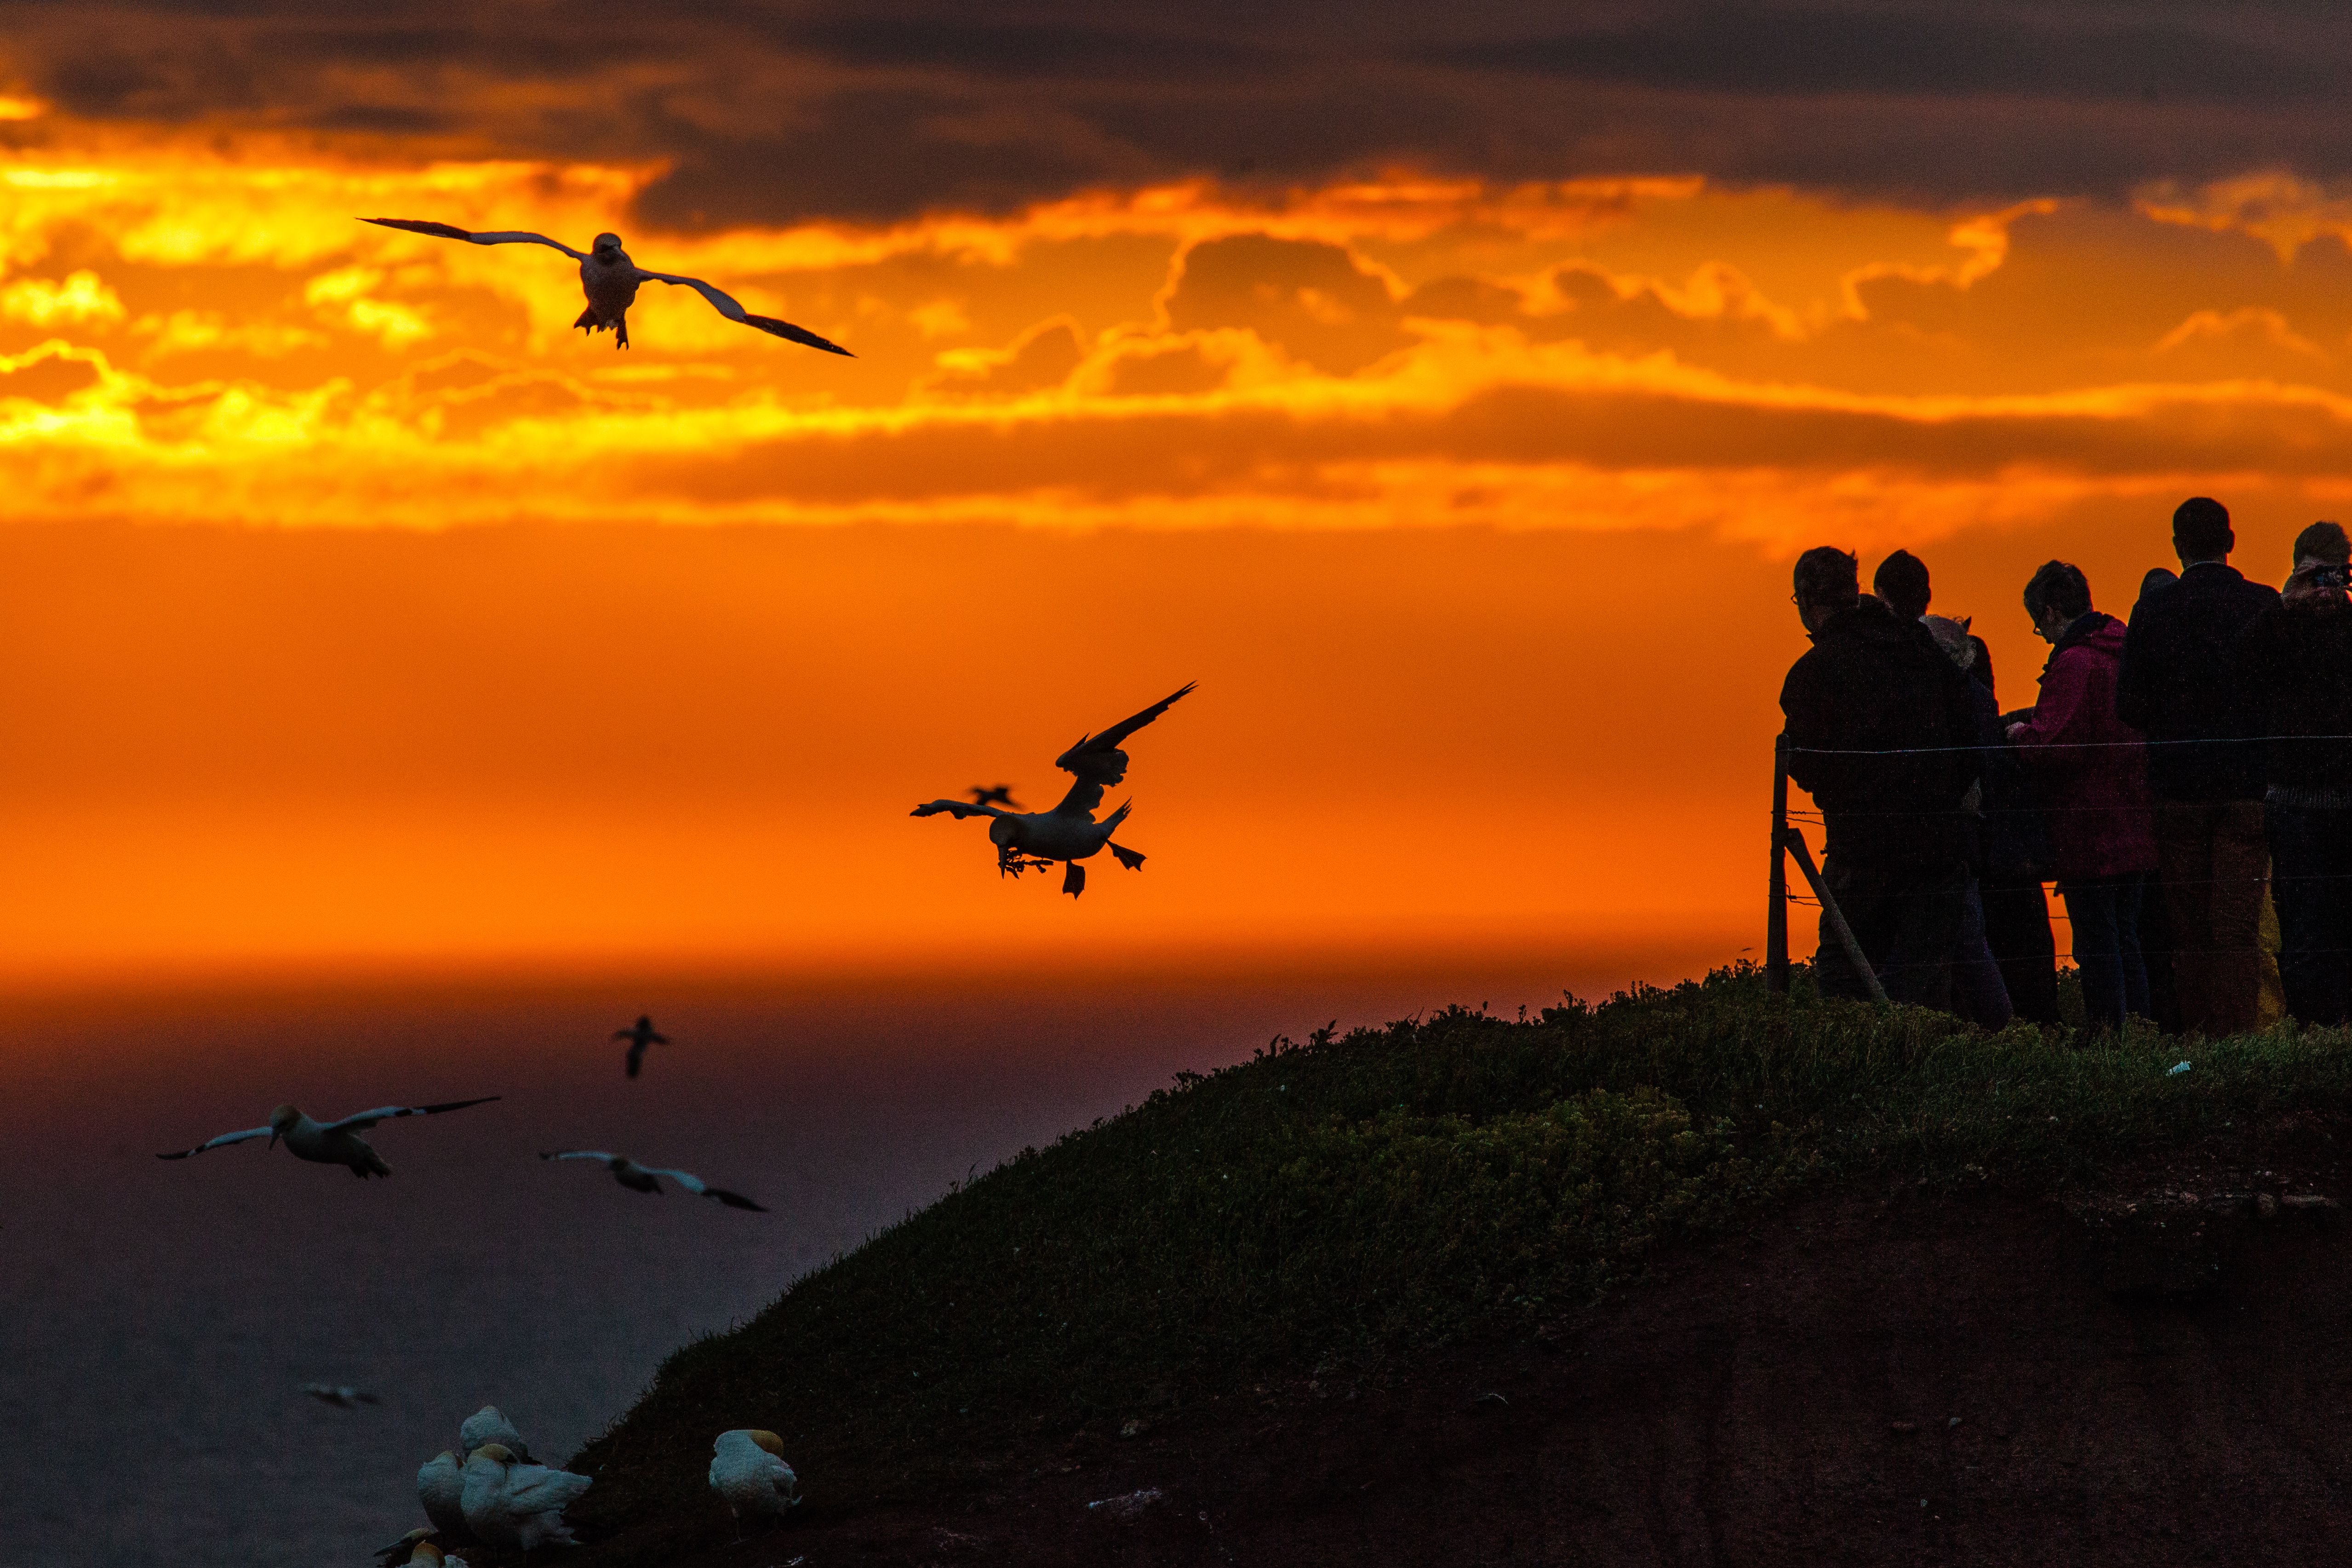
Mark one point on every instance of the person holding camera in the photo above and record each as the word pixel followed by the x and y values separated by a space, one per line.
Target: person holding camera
pixel 2297 655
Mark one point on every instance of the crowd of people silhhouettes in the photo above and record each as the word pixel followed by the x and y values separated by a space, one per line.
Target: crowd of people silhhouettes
pixel 2178 775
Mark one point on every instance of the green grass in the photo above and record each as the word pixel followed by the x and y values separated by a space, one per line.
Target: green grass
pixel 1346 1199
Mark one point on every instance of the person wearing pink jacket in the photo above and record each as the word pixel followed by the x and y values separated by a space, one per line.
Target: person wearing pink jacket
pixel 2091 770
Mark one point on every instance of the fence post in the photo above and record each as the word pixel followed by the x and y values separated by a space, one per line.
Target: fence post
pixel 1834 918
pixel 1776 914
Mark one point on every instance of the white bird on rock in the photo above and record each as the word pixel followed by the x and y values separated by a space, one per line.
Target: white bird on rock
pixel 1033 840
pixel 441 1487
pixel 611 280
pixel 330 1142
pixel 489 1426
pixel 516 1506
pixel 646 1178
pixel 748 1471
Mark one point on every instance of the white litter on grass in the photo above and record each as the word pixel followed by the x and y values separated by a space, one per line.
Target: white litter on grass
pixel 2175 1072
pixel 1128 1506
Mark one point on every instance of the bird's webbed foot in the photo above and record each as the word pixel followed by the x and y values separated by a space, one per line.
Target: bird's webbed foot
pixel 1127 857
pixel 1074 881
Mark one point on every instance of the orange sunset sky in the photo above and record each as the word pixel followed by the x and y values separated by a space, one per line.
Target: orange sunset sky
pixel 1447 397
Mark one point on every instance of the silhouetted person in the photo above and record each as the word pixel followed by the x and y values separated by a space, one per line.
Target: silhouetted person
pixel 2177 688
pixel 992 794
pixel 2092 772
pixel 640 1034
pixel 1979 995
pixel 2296 656
pixel 2155 914
pixel 1902 581
pixel 1896 852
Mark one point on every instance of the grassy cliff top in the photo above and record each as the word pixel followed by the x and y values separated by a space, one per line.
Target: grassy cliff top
pixel 1355 1197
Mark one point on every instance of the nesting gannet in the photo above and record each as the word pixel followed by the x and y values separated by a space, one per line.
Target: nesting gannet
pixel 428 1555
pixel 748 1470
pixel 1034 840
pixel 610 279
pixel 641 1178
pixel 640 1034
pixel 488 1424
pixel 330 1142
pixel 441 1487
pixel 342 1396
pixel 404 1550
pixel 992 794
pixel 510 1505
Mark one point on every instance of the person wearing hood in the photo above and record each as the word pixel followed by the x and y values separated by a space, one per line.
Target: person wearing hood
pixel 1882 733
pixel 2093 771
pixel 2295 657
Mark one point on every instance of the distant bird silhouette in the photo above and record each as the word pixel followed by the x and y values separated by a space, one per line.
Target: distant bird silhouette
pixel 640 1034
pixel 330 1142
pixel 1033 840
pixel 642 1178
pixel 610 279
pixel 341 1396
pixel 992 794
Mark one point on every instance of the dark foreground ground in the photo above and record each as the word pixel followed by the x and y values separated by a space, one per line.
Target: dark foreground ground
pixel 2155 1371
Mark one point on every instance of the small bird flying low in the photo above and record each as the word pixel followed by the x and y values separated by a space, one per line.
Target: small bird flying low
pixel 611 280
pixel 342 1396
pixel 640 1034
pixel 1029 841
pixel 330 1142
pixel 644 1178
pixel 992 794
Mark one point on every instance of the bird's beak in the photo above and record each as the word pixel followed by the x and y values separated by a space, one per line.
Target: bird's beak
pixel 273 1138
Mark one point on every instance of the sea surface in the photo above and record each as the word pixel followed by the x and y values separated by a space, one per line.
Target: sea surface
pixel 158 1319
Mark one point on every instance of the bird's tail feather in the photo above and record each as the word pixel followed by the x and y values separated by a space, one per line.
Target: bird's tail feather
pixel 1116 817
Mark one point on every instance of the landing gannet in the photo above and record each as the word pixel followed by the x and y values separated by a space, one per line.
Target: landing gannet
pixel 514 1505
pixel 441 1487
pixel 1033 840
pixel 640 1034
pixel 641 1178
pixel 330 1142
pixel 488 1424
pixel 610 279
pixel 340 1396
pixel 748 1470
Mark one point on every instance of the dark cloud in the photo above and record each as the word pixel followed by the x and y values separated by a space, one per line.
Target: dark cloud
pixel 775 112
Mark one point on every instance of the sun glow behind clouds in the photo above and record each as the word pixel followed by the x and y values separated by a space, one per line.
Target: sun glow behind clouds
pixel 192 336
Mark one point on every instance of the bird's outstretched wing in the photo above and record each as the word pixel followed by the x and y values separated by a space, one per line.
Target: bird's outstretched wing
pixel 496 236
pixel 223 1142
pixel 1098 759
pixel 700 1189
pixel 959 809
pixel 727 306
pixel 625 1034
pixel 367 1119
pixel 579 1154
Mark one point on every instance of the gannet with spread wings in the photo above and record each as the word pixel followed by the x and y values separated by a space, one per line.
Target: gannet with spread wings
pixel 328 1142
pixel 1068 832
pixel 646 1178
pixel 610 279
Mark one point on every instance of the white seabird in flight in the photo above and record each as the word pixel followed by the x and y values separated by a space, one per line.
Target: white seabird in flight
pixel 1032 840
pixel 342 1396
pixel 518 1507
pixel 610 279
pixel 644 1178
pixel 330 1142
pixel 748 1473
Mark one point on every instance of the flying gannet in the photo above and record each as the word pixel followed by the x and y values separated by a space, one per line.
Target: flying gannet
pixel 642 1178
pixel 330 1142
pixel 441 1487
pixel 748 1471
pixel 518 1507
pixel 1033 840
pixel 610 279
pixel 640 1034
pixel 342 1396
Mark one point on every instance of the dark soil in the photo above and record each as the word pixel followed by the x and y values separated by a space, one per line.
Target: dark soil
pixel 2159 1371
